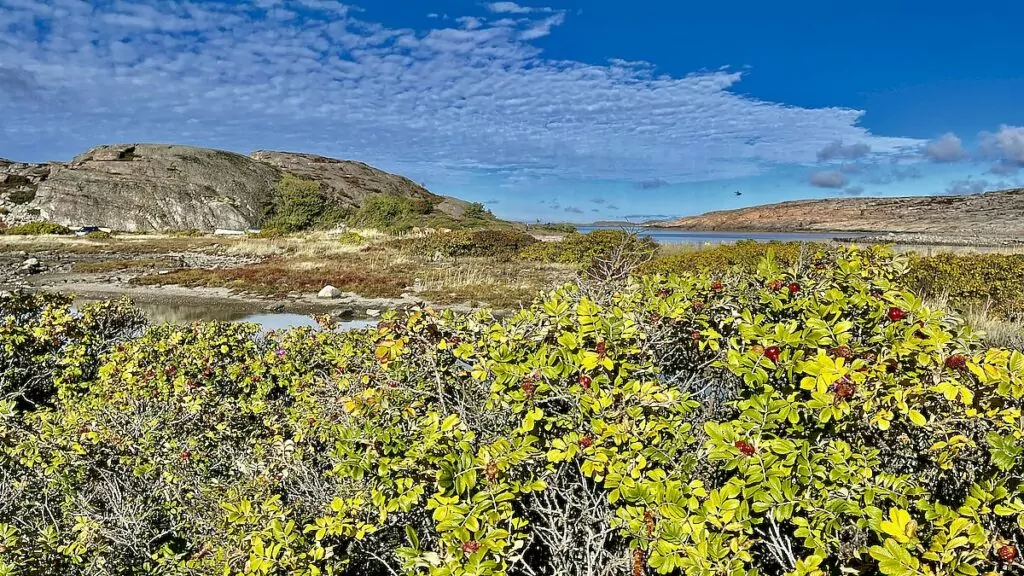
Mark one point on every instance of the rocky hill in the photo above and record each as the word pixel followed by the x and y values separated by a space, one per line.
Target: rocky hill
pixel 994 214
pixel 146 187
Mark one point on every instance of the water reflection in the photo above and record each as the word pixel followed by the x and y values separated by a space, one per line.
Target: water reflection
pixel 159 313
pixel 278 321
pixel 670 236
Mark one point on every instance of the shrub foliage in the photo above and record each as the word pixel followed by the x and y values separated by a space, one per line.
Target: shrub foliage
pixel 486 242
pixel 38 228
pixel 980 279
pixel 805 421
pixel 582 249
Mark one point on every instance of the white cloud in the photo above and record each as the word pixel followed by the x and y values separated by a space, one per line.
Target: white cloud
pixel 508 8
pixel 836 150
pixel 969 186
pixel 946 148
pixel 828 179
pixel 1006 145
pixel 543 28
pixel 445 103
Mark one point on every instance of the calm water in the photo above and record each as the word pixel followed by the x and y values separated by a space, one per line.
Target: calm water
pixel 663 236
pixel 228 312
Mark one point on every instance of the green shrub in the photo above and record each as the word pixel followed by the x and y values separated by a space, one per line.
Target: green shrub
pixel 993 280
pixel 488 242
pixel 385 213
pixel 352 238
pixel 809 420
pixel 23 196
pixel 99 235
pixel 297 205
pixel 744 254
pixel 476 210
pixel 38 228
pixel 562 227
pixel 581 249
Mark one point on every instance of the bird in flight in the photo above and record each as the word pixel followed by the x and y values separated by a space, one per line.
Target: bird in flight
pixel 738 193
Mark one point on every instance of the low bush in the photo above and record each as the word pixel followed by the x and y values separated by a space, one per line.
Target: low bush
pixel 806 420
pixel 38 228
pixel 385 213
pixel 352 238
pixel 487 242
pixel 744 255
pixel 582 249
pixel 991 280
pixel 99 235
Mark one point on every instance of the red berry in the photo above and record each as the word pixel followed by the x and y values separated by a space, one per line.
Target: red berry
pixel 844 387
pixel 587 441
pixel 585 381
pixel 772 353
pixel 717 286
pixel 529 387
pixel 956 362
pixel 793 287
pixel 664 293
pixel 695 335
pixel 745 448
pixel 698 304
pixel 775 285
pixel 185 455
pixel 1007 553
pixel 602 348
pixel 471 547
pixel 491 471
pixel 896 314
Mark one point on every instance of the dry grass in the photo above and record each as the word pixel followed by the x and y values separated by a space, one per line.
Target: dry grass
pixel 995 330
pixel 380 273
pixel 103 266
pixel 121 244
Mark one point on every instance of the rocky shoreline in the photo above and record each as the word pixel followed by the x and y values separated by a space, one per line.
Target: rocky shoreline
pixel 53 271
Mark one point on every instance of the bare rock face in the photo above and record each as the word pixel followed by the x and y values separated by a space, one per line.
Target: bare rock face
pixel 992 214
pixel 154 187
pixel 19 183
pixel 138 187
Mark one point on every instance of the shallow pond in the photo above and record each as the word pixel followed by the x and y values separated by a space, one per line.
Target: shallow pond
pixel 158 313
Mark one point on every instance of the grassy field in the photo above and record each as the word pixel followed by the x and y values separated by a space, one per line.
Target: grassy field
pixel 498 268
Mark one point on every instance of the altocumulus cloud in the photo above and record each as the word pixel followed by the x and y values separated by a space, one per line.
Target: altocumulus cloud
pixel 442 104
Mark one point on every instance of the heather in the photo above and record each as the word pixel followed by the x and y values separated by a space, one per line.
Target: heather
pixel 816 418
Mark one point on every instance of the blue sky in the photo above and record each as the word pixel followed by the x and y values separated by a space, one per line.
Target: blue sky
pixel 559 111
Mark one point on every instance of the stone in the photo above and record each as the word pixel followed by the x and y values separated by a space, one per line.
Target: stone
pixel 275 307
pixel 373 312
pixel 343 312
pixel 31 265
pixel 329 292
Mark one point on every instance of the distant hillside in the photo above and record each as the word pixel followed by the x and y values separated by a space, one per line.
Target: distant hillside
pixel 147 187
pixel 991 214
